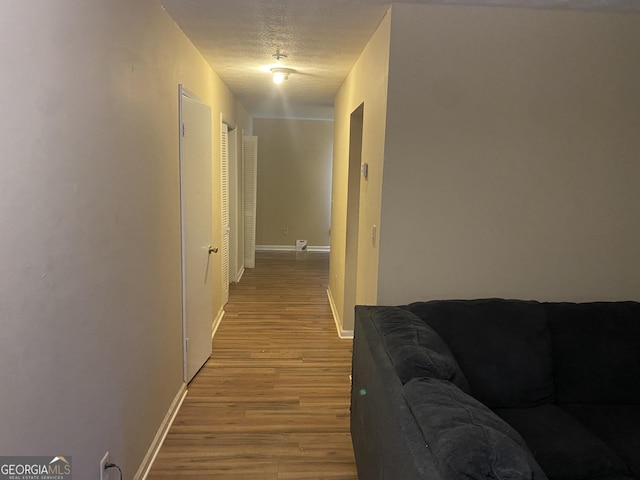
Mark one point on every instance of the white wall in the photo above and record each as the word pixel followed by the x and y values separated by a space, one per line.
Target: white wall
pixel 294 181
pixel 511 161
pixel 90 289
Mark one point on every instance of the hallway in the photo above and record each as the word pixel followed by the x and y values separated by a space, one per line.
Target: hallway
pixel 272 402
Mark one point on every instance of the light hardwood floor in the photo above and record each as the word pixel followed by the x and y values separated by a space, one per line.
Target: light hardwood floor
pixel 273 400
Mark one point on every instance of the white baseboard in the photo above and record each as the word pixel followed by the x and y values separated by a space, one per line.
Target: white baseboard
pixel 216 322
pixel 344 334
pixel 152 453
pixel 319 248
pixel 239 275
pixel 291 248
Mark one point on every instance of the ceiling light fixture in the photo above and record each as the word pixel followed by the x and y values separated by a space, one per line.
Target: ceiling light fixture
pixel 281 74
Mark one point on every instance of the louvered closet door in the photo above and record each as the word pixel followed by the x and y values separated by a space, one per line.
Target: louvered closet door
pixel 224 189
pixel 250 161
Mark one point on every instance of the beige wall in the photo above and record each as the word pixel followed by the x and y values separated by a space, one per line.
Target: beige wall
pixel 90 290
pixel 512 156
pixel 366 84
pixel 294 181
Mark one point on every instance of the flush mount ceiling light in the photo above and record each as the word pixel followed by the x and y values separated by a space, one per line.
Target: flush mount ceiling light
pixel 281 74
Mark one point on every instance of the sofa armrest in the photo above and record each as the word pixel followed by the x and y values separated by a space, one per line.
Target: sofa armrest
pixel 386 440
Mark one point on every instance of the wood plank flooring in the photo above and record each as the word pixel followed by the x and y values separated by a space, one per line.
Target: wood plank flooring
pixel 273 400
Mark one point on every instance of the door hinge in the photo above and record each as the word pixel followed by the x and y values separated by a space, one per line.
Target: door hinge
pixel 183 129
pixel 186 345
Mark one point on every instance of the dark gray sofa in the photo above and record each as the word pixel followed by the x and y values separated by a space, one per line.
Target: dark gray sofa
pixel 500 389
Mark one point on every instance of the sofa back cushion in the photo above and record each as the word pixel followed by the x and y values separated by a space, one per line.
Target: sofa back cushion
pixel 502 346
pixel 596 350
pixel 467 439
pixel 415 349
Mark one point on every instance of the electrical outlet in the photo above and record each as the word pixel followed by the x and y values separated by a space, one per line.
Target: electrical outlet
pixel 285 231
pixel 104 474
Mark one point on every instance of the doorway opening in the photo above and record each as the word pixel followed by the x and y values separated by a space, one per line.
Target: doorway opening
pixel 353 215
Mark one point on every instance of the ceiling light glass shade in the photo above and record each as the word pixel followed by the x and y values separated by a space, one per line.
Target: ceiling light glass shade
pixel 280 74
pixel 278 77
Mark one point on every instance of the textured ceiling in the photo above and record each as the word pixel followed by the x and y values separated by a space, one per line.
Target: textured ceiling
pixel 321 38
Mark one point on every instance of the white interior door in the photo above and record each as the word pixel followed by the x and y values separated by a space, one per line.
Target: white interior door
pixel 236 262
pixel 196 196
pixel 224 189
pixel 250 172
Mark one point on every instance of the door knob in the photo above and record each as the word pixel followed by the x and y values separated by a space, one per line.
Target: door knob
pixel 212 249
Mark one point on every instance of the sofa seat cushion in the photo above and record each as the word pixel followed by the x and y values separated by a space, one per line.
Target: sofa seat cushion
pixel 614 477
pixel 415 349
pixel 617 425
pixel 467 439
pixel 564 447
pixel 502 346
pixel 596 352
